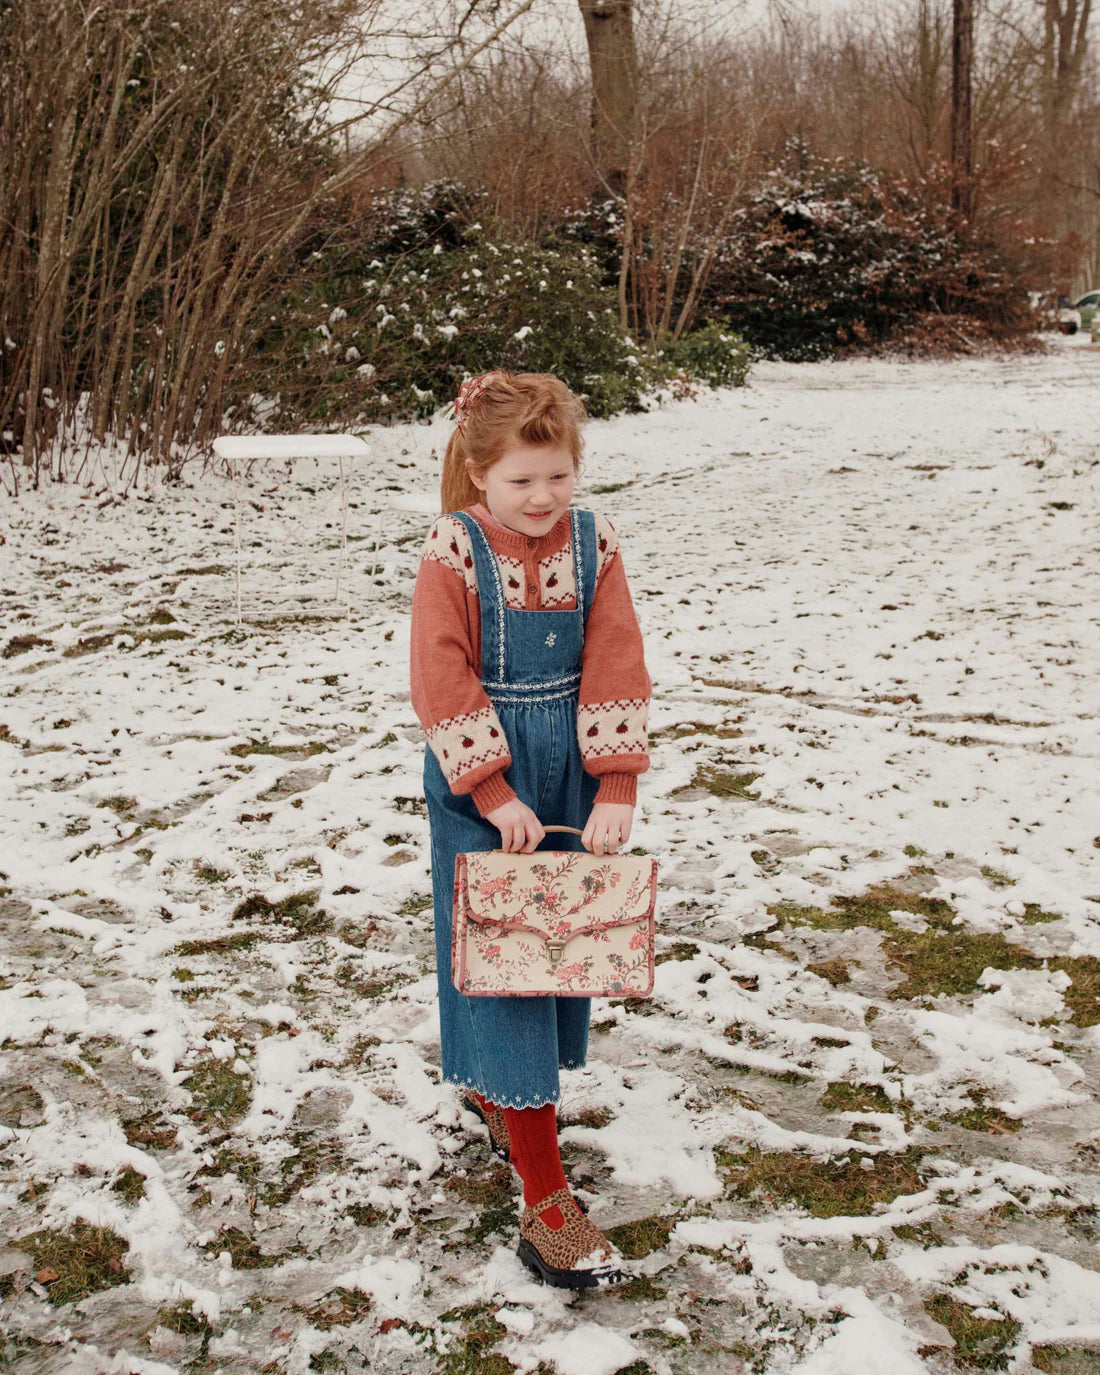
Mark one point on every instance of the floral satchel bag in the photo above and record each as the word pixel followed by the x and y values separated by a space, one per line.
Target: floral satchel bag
pixel 559 922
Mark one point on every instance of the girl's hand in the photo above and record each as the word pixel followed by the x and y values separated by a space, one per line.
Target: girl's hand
pixel 608 827
pixel 520 829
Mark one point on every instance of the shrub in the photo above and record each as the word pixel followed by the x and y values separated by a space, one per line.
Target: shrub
pixel 713 354
pixel 387 327
pixel 837 256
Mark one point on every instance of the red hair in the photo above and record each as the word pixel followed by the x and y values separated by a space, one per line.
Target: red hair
pixel 513 408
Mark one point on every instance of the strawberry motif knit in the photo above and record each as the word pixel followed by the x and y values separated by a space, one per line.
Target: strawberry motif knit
pixel 537 573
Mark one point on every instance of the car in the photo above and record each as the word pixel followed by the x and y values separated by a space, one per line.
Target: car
pixel 1087 306
pixel 1055 311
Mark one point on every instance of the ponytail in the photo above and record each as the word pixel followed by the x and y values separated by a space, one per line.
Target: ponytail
pixel 457 490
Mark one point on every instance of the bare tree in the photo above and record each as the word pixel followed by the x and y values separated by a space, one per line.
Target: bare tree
pixel 962 127
pixel 160 162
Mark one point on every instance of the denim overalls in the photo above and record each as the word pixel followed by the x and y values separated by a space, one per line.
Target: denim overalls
pixel 510 1049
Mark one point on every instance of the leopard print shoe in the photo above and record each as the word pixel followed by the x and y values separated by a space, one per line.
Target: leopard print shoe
pixel 500 1141
pixel 576 1255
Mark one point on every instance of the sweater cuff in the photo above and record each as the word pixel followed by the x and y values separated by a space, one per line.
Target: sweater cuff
pixel 492 792
pixel 618 787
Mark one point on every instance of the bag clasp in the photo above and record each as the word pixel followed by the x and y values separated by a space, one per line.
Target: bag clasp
pixel 555 949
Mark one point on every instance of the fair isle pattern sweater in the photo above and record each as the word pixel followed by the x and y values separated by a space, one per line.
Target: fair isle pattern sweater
pixel 461 724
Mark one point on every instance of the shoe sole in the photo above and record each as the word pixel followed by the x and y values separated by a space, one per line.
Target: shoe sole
pixel 501 1151
pixel 566 1279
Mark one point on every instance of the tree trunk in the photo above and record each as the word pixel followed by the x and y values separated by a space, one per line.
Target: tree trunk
pixel 1065 45
pixel 962 133
pixel 613 58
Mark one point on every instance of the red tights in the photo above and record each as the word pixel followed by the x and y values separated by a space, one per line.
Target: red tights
pixel 535 1154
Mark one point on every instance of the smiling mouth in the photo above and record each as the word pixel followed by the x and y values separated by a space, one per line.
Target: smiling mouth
pixel 539 515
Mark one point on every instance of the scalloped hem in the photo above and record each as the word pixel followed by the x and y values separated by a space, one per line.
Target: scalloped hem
pixel 497 1101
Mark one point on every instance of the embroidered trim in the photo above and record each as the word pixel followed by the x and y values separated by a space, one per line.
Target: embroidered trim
pixel 578 567
pixel 566 681
pixel 505 700
pixel 464 743
pixel 610 728
pixel 488 548
pixel 449 543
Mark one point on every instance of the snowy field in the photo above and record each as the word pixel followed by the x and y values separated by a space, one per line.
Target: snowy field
pixel 856 1130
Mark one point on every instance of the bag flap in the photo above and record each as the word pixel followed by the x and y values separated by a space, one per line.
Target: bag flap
pixel 559 894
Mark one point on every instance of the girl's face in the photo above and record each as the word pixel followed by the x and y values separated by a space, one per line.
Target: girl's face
pixel 529 487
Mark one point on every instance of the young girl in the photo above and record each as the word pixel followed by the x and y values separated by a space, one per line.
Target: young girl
pixel 529 680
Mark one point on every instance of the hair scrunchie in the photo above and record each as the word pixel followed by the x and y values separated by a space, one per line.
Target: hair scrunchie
pixel 469 393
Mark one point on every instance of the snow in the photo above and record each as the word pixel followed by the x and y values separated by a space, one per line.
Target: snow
pixel 870 586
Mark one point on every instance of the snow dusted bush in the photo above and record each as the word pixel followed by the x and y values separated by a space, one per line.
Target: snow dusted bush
pixel 837 256
pixel 713 354
pixel 382 319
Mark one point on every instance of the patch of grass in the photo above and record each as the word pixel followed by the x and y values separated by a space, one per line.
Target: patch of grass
pixel 983 1117
pixel 682 950
pixel 837 1188
pixel 871 908
pixel 150 1133
pixel 833 971
pixel 22 644
pixel 843 1097
pixel 471 1354
pixel 183 975
pixel 980 1343
pixel 721 782
pixel 220 1096
pixel 130 1184
pixel 329 1359
pixel 299 911
pixel 232 1160
pixel 119 804
pixel 306 750
pixel 367 1215
pixel 637 1239
pixel 586 1117
pixel 209 873
pixel 240 940
pixel 995 878
pixel 951 961
pixel 184 1320
pixel 1035 916
pixel 337 1309
pixel 642 1289
pixel 1083 995
pixel 643 1007
pixel 488 1189
pixel 924 1234
pixel 684 728
pixel 315 1156
pixel 349 976
pixel 412 907
pixel 243 1250
pixel 76 1261
pixel 1065 1360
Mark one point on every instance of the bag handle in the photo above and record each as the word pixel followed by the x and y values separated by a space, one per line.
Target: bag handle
pixel 571 829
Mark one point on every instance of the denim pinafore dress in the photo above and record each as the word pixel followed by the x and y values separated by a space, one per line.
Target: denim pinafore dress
pixel 510 1049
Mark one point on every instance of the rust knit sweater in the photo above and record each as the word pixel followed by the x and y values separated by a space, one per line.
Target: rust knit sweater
pixel 462 727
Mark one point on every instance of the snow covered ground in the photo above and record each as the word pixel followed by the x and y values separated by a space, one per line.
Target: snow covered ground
pixel 856 1129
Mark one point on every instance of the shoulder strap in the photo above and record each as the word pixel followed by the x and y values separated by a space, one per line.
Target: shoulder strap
pixel 585 558
pixel 490 591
